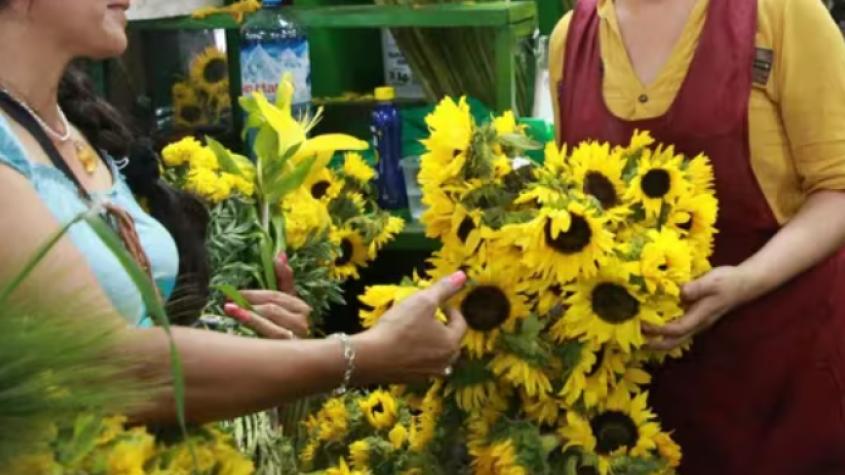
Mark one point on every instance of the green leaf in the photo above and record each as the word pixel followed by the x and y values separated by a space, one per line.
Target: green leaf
pixel 520 142
pixel 274 168
pixel 232 294
pixel 266 144
pixel 290 181
pixel 224 157
pixel 254 119
pixel 277 224
pixel 268 263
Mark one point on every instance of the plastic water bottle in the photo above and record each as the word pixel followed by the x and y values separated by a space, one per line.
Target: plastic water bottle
pixel 387 142
pixel 273 44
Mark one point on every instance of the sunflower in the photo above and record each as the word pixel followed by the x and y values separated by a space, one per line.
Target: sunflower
pixel 450 126
pixel 521 374
pixel 694 218
pixel 494 302
pixel 330 423
pixel 437 216
pixel 699 171
pixel 181 90
pixel 306 456
pixel 607 308
pixel 474 386
pixel 323 185
pixel 639 140
pixel 210 71
pixel 562 244
pixel 658 182
pixel 356 168
pixel 343 469
pixel 624 427
pixel 541 195
pixel 506 124
pixel 465 230
pixel 359 455
pixel 380 409
pixel 542 410
pixel 498 459
pixel 598 172
pixel 398 436
pixel 378 299
pixel 665 262
pixel 188 112
pixel 599 371
pixel 668 449
pixel 392 226
pixel 353 253
pixel 549 299
pixel 473 397
pixel 438 167
pixel 555 161
pixel 424 425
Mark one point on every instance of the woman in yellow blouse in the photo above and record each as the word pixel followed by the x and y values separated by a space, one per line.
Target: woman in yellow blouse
pixel 759 86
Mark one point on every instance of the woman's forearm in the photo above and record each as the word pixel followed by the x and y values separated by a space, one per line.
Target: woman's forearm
pixel 228 376
pixel 816 232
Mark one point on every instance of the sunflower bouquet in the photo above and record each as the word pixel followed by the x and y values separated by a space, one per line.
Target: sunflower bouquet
pixel 202 98
pixel 388 429
pixel 106 445
pixel 567 262
pixel 290 200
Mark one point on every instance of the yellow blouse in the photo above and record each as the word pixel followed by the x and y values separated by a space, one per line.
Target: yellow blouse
pixel 796 121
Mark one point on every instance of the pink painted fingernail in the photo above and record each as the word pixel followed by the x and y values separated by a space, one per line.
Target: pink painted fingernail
pixel 283 258
pixel 237 312
pixel 458 279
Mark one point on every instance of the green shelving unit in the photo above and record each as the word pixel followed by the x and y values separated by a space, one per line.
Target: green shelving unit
pixel 510 22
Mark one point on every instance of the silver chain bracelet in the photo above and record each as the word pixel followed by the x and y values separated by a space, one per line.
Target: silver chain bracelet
pixel 349 358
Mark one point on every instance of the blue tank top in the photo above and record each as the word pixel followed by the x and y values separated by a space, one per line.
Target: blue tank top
pixel 61 197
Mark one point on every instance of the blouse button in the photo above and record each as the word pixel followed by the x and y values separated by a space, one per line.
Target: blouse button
pixel 643 98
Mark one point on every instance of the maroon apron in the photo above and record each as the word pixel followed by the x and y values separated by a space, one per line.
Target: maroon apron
pixel 762 391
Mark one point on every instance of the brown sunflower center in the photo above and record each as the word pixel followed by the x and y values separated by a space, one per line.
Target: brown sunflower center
pixel 614 430
pixel 486 307
pixel 656 183
pixel 215 71
pixel 573 240
pixel 378 408
pixel 319 189
pixel 613 304
pixel 600 187
pixel 466 227
pixel 597 365
pixel 346 250
pixel 191 114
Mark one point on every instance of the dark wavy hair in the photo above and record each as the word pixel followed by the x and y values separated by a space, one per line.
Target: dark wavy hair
pixel 184 216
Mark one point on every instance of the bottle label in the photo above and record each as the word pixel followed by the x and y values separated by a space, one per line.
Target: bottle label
pixel 397 71
pixel 264 62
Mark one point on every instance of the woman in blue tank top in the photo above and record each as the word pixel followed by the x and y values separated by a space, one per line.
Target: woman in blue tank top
pixel 50 127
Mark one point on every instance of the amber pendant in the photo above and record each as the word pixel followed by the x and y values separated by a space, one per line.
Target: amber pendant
pixel 86 156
